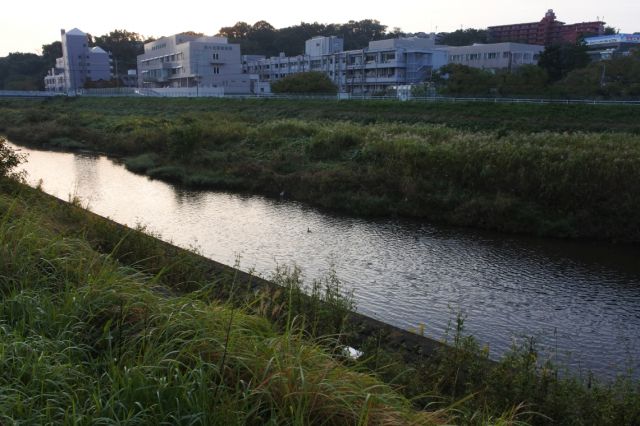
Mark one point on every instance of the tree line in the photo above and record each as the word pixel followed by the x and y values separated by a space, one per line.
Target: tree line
pixel 262 38
pixel 563 71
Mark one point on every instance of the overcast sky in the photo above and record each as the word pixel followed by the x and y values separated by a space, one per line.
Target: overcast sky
pixel 25 25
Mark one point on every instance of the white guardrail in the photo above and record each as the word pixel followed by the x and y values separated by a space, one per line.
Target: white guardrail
pixel 191 92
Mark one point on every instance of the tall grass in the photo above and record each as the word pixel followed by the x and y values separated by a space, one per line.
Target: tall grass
pixel 103 324
pixel 87 339
pixel 563 171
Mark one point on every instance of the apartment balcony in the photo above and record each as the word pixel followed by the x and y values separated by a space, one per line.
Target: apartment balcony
pixel 386 64
pixel 155 77
pixel 385 79
pixel 171 65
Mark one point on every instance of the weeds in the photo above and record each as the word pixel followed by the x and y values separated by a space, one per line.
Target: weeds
pixel 85 338
pixel 562 171
pixel 97 322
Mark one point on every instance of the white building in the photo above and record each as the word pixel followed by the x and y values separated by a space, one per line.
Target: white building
pixel 496 56
pixel 184 60
pixel 79 64
pixel 382 65
pixel 611 46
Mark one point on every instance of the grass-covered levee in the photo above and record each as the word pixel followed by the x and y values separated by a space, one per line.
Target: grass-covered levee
pixel 104 324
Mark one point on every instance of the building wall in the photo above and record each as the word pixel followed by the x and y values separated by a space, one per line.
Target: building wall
pixel 189 61
pixel 78 65
pixel 610 46
pixel 318 46
pixel 82 64
pixel 545 32
pixel 384 64
pixel 54 81
pixel 495 56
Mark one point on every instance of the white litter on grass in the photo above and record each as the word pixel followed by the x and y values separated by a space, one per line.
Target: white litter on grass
pixel 352 353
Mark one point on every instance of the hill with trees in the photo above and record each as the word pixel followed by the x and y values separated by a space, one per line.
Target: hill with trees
pixel 262 38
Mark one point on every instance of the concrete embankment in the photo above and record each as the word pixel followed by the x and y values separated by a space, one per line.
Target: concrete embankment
pixel 409 346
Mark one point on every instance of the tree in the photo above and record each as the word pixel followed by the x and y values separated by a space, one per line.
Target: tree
pixel 306 82
pixel 291 40
pixel 240 31
pixel 615 78
pixel 192 33
pixel 456 79
pixel 262 38
pixel 358 34
pixel 610 30
pixel 524 80
pixel 23 71
pixel 464 37
pixel 559 60
pixel 124 46
pixel 9 160
pixel 51 52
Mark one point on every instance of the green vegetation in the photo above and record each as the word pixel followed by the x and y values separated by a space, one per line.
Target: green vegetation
pixel 306 82
pixel 85 338
pixel 560 60
pixel 23 71
pixel 262 38
pixel 9 160
pixel 99 323
pixel 26 71
pixel 124 46
pixel 465 37
pixel 563 72
pixel 482 165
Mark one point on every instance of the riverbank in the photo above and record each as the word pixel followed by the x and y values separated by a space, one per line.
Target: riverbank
pixel 568 171
pixel 67 266
pixel 101 322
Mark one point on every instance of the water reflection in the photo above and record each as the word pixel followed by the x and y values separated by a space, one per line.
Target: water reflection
pixel 581 300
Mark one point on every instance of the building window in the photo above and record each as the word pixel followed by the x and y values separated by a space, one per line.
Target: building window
pixel 216 56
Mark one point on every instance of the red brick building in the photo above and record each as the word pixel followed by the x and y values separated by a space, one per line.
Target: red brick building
pixel 546 32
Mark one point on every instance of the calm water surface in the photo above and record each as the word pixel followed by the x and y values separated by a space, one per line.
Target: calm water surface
pixel 581 301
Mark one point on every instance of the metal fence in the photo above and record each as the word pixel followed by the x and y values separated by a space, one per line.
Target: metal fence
pixel 143 92
pixel 28 94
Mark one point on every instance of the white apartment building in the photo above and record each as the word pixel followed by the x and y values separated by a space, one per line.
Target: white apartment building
pixel 184 60
pixel 496 56
pixel 78 65
pixel 382 65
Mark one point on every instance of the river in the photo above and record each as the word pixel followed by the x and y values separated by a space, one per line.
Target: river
pixel 580 301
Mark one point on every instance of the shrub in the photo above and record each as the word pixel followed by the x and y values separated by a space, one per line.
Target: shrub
pixel 305 82
pixel 9 160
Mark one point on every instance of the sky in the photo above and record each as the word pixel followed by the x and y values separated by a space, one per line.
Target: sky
pixel 28 24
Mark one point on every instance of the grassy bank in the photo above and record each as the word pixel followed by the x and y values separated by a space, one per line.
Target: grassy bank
pixel 86 338
pixel 570 171
pixel 101 324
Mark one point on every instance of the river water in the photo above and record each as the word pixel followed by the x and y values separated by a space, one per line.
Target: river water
pixel 580 301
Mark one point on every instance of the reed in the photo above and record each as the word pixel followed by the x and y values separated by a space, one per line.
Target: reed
pixel 567 171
